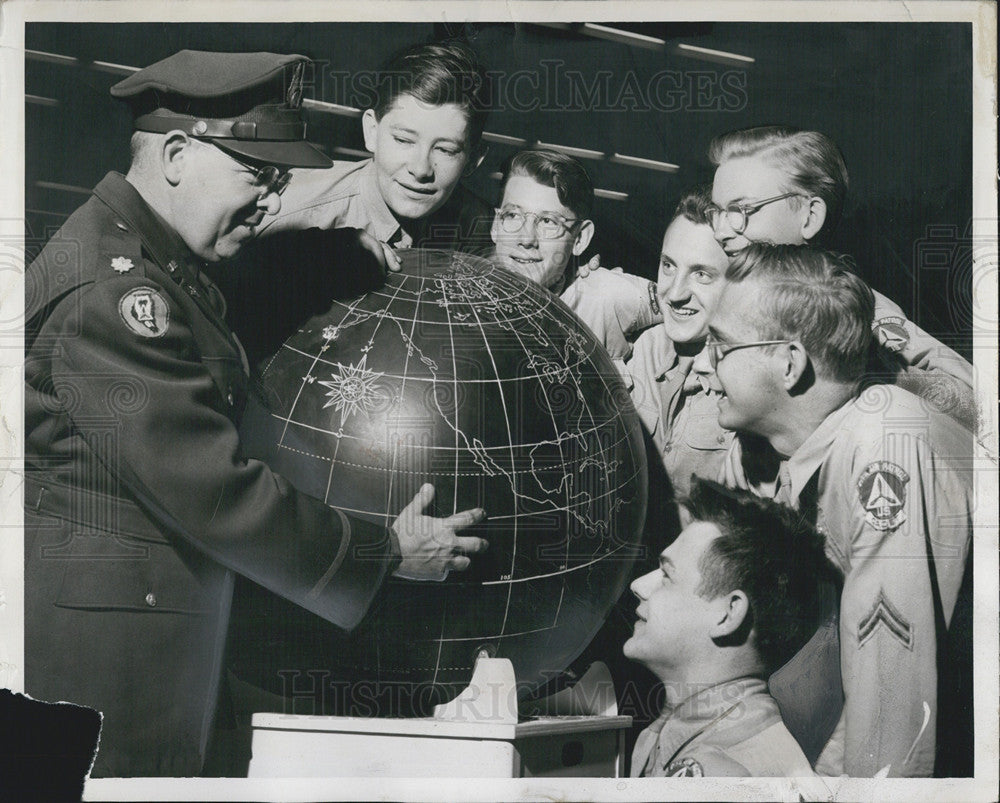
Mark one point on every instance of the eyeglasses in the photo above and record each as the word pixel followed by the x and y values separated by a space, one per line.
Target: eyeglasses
pixel 736 214
pixel 549 225
pixel 266 179
pixel 717 350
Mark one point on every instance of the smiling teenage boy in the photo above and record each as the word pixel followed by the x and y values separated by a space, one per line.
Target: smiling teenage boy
pixel 735 595
pixel 423 131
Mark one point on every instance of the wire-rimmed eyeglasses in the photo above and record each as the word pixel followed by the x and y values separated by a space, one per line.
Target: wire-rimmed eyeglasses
pixel 718 350
pixel 737 214
pixel 549 225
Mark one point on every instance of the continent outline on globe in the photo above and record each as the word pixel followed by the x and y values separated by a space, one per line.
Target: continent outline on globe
pixel 463 374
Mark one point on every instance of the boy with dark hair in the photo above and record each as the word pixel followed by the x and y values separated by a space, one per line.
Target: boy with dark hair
pixel 736 595
pixel 677 405
pixel 424 133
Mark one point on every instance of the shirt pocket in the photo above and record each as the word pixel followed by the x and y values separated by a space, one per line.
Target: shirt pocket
pixel 703 433
pixel 154 578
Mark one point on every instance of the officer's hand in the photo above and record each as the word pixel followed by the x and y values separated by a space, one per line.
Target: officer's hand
pixel 430 547
pixel 384 254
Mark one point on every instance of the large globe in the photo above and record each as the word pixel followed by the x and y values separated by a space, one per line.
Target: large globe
pixel 459 373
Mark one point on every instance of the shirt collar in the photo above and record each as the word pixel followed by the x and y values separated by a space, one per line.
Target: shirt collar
pixel 384 225
pixel 810 455
pixel 695 713
pixel 664 356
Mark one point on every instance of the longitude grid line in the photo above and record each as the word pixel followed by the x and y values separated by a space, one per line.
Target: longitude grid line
pixel 315 358
pixel 513 465
pixel 593 423
pixel 329 478
pixel 555 429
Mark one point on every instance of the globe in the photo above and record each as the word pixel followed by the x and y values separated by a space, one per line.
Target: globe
pixel 463 374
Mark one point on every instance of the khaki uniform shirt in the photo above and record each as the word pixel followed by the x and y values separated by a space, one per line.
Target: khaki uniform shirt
pixel 889 482
pixel 730 729
pixel 343 196
pixel 678 409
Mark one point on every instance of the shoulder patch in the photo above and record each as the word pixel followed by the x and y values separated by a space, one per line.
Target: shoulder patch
pixel 882 493
pixel 891 332
pixel 654 301
pixel 884 613
pixel 145 312
pixel 684 768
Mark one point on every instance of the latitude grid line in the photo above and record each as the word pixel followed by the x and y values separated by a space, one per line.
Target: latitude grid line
pixel 587 360
pixel 485 449
pixel 501 517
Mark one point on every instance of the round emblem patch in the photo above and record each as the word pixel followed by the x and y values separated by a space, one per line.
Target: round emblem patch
pixel 891 333
pixel 145 312
pixel 882 492
pixel 684 768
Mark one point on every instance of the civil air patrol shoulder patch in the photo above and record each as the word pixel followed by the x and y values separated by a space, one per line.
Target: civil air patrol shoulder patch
pixel 882 493
pixel 684 768
pixel 145 312
pixel 891 332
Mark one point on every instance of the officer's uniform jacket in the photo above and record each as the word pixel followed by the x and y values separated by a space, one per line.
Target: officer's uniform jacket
pixel 888 480
pixel 677 408
pixel 139 505
pixel 730 729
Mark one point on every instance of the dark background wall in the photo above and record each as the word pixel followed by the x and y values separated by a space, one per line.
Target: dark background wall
pixel 896 97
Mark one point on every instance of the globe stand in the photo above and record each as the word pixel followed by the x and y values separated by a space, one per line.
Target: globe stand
pixel 576 732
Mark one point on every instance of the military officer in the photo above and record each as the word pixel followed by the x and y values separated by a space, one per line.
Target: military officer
pixel 139 504
pixel 886 477
pixel 735 595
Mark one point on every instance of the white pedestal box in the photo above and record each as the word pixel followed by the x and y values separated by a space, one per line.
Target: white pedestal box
pixel 476 735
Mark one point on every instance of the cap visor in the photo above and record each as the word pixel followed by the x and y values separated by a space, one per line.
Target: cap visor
pixel 280 154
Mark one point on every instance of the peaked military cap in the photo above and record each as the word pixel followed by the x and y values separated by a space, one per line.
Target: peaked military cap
pixel 249 104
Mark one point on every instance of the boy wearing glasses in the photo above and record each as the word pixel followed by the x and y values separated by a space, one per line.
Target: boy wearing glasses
pixel 886 478
pixel 781 185
pixel 543 224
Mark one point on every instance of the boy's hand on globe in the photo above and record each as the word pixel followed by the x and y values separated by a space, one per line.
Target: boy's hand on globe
pixel 384 254
pixel 429 546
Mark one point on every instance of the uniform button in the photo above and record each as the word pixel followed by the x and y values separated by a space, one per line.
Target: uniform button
pixel 229 398
pixel 151 599
pixel 192 291
pixel 722 439
pixel 667 448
